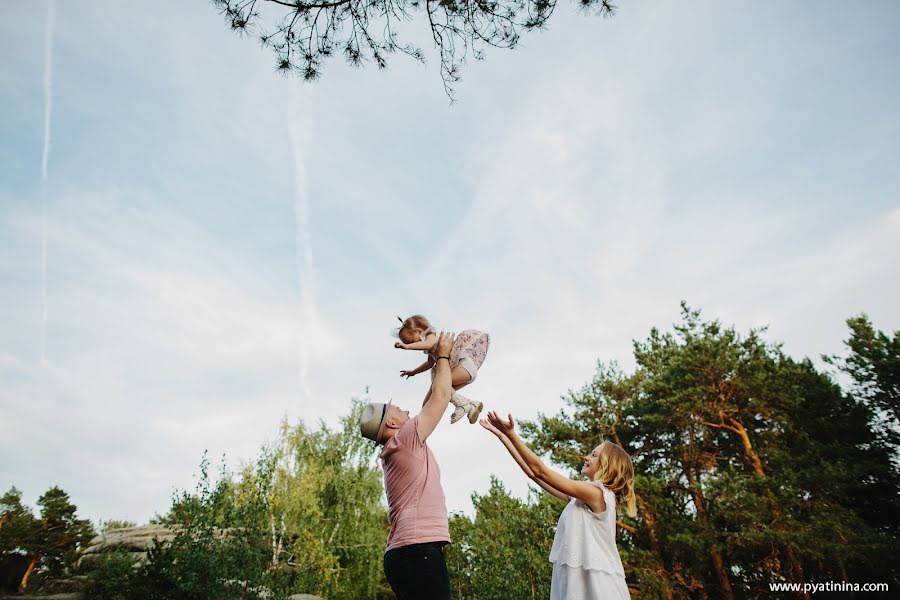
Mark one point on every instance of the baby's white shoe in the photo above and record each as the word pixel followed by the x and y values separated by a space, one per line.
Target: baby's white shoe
pixel 461 403
pixel 473 410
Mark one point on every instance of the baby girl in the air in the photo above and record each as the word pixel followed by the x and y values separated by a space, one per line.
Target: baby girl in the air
pixel 466 357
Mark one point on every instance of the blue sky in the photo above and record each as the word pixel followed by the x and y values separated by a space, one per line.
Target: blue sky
pixel 226 247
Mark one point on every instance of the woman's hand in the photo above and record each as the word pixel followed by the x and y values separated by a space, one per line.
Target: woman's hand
pixel 400 345
pixel 487 425
pixel 505 427
pixel 407 374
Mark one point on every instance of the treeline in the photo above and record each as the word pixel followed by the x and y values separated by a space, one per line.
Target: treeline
pixel 39 547
pixel 307 517
pixel 752 467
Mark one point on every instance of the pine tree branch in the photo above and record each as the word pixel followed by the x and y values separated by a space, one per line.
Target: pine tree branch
pixel 367 29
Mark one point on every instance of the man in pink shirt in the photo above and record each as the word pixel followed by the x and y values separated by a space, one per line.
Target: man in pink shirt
pixel 417 511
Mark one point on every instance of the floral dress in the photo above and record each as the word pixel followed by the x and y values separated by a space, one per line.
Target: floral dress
pixel 469 342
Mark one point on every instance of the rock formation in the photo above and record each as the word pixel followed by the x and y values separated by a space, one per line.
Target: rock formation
pixel 135 541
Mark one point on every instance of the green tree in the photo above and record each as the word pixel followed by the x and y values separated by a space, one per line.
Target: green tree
pixel 874 368
pixel 218 544
pixel 111 578
pixel 751 467
pixel 503 553
pixel 46 546
pixel 326 500
pixel 304 33
pixel 19 539
pixel 861 436
pixel 63 533
pixel 721 392
pixel 111 524
pixel 306 517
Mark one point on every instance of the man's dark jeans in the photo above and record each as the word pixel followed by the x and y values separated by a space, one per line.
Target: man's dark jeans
pixel 418 572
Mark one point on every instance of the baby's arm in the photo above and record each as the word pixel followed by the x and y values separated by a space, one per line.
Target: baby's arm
pixel 426 344
pixel 425 366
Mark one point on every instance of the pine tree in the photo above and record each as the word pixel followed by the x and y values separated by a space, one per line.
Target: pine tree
pixel 752 467
pixel 502 552
pixel 47 545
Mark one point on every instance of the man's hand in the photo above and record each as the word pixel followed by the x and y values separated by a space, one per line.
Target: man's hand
pixel 407 374
pixel 445 343
pixel 506 427
pixel 441 388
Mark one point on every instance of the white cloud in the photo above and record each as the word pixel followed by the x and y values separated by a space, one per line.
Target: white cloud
pixel 156 351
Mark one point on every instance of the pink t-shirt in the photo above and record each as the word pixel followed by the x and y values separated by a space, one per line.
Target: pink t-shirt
pixel 417 510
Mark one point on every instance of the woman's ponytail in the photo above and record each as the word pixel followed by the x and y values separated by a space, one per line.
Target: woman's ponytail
pixel 616 472
pixel 629 498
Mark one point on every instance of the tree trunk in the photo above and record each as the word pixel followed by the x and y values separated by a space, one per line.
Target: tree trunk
pixel 719 564
pixel 796 568
pixel 616 437
pixel 795 564
pixel 842 568
pixel 274 539
pixel 24 583
pixel 714 554
pixel 650 520
pixel 751 454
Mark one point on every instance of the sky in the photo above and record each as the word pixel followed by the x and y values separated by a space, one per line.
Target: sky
pixel 194 247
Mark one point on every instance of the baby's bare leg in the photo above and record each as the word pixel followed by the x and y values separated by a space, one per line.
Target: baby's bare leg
pixel 460 378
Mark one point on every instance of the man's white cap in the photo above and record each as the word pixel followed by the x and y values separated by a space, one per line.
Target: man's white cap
pixel 371 423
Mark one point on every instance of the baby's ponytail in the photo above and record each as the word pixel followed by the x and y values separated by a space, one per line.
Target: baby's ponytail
pixel 414 322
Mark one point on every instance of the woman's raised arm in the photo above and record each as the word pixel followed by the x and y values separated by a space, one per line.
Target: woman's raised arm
pixel 521 462
pixel 584 491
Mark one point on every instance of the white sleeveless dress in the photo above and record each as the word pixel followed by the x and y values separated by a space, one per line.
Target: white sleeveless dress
pixel 586 563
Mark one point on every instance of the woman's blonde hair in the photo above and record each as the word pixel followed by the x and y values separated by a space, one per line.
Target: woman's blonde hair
pixel 412 323
pixel 616 472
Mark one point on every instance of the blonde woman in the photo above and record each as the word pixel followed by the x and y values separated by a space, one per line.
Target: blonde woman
pixel 586 563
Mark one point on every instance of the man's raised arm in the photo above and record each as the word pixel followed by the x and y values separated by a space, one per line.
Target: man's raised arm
pixel 441 388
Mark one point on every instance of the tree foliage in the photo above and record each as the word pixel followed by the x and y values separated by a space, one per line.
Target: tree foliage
pixel 34 549
pixel 874 368
pixel 752 467
pixel 304 33
pixel 306 517
pixel 503 552
pixel 18 539
pixel 110 524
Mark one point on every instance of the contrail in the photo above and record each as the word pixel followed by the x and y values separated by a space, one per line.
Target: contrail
pixel 299 125
pixel 45 158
